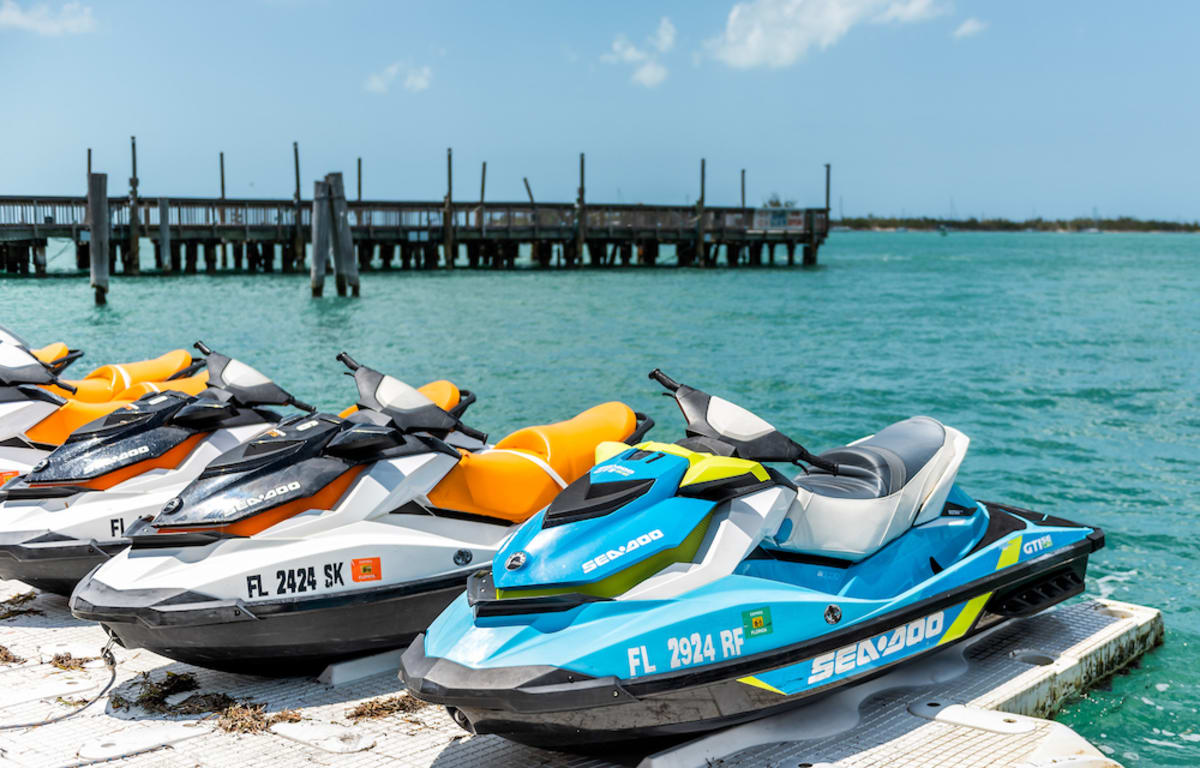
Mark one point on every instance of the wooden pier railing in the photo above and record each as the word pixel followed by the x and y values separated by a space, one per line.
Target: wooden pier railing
pixel 488 234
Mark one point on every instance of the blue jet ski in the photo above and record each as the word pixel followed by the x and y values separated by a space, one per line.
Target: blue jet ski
pixel 678 588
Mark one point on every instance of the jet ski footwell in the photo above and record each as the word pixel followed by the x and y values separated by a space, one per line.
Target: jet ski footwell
pixel 283 637
pixel 545 706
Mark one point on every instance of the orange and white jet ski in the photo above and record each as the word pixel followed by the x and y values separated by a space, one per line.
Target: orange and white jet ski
pixel 326 538
pixel 70 512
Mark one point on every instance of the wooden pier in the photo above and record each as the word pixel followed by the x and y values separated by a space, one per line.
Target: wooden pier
pixel 192 235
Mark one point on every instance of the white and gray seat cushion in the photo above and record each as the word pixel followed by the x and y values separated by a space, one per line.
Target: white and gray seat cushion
pixel 886 483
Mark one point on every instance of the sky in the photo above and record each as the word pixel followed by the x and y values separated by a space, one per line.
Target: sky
pixel 923 107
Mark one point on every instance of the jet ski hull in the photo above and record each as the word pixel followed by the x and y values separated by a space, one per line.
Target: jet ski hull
pixel 51 562
pixel 558 707
pixel 276 638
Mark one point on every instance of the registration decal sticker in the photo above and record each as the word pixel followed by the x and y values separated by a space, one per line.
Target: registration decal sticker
pixel 757 622
pixel 366 569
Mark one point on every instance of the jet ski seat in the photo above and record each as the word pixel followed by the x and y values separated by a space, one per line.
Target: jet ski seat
pixel 443 393
pixel 68 417
pixel 886 483
pixel 109 381
pixel 51 352
pixel 878 465
pixel 527 469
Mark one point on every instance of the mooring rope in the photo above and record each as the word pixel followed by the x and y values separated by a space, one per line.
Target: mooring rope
pixel 110 661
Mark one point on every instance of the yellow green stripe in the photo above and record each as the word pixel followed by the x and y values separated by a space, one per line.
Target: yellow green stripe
pixel 1010 554
pixel 760 684
pixel 966 617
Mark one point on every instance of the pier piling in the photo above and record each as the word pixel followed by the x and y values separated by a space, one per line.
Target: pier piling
pixel 162 253
pixel 343 240
pixel 99 223
pixel 322 223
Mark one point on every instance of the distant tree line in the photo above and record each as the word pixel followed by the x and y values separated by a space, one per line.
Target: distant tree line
pixel 1120 224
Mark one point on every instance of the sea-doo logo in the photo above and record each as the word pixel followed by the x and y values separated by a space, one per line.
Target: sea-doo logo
pixel 625 471
pixel 274 493
pixel 1037 545
pixel 622 550
pixel 863 653
pixel 125 455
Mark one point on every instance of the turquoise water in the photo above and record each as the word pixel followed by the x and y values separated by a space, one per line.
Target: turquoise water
pixel 1070 360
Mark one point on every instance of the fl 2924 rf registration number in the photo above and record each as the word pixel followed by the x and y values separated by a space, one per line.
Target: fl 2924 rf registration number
pixel 688 650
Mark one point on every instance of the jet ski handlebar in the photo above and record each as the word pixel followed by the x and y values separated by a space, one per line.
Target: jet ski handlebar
pixel 64 385
pixel 345 359
pixel 664 379
pixel 302 405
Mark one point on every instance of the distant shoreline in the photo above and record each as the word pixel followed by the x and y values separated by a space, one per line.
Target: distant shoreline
pixel 1123 224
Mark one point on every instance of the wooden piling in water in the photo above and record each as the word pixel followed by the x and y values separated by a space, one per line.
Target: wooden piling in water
pixel 190 256
pixel 162 256
pixel 342 238
pixel 132 265
pixel 99 224
pixel 448 212
pixel 297 229
pixel 322 237
pixel 581 223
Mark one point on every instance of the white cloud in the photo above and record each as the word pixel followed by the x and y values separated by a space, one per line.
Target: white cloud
pixel 969 28
pixel 71 19
pixel 908 11
pixel 648 70
pixel 418 79
pixel 625 51
pixel 415 78
pixel 650 74
pixel 664 36
pixel 776 33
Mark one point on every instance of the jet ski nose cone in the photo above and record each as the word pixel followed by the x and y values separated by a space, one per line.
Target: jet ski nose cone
pixel 516 561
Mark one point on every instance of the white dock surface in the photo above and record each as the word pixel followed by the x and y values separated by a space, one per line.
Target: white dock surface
pixel 971 705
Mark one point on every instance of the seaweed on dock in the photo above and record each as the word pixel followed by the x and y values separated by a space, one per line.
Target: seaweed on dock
pixel 249 717
pixel 69 663
pixel 15 606
pixel 8 657
pixel 386 706
pixel 152 696
pixel 203 704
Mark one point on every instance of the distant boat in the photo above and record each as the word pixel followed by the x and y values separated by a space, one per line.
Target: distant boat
pixel 943 230
pixel 1091 231
pixel 901 229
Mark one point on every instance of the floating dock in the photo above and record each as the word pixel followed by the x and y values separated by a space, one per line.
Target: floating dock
pixel 975 704
pixel 192 234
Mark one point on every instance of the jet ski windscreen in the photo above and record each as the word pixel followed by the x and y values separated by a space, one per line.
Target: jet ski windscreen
pixel 731 420
pixel 8 337
pixel 17 366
